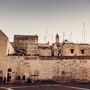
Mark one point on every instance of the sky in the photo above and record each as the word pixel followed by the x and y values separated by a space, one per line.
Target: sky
pixel 46 18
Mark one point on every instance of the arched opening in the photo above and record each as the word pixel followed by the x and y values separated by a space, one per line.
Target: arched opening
pixel 9 75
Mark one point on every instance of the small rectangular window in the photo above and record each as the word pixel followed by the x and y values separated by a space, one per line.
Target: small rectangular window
pixel 82 51
pixel 72 50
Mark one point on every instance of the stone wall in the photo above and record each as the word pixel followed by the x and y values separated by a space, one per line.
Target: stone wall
pixel 10 49
pixel 57 70
pixel 3 44
pixel 56 49
pixel 44 49
pixel 28 43
pixel 78 49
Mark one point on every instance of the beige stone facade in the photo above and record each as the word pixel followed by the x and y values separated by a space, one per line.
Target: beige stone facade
pixel 44 49
pixel 10 49
pixel 5 46
pixel 27 43
pixel 3 43
pixel 58 70
pixel 42 60
pixel 71 49
pixel 56 47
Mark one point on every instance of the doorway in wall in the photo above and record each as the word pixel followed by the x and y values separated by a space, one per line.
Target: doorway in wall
pixel 9 75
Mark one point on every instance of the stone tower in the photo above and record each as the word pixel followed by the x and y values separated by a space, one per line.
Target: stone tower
pixel 57 38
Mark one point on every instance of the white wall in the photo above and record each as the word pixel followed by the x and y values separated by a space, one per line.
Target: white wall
pixel 10 49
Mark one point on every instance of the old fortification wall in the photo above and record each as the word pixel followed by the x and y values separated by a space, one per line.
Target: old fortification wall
pixel 58 70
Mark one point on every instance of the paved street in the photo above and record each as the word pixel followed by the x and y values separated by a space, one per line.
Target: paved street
pixel 51 87
pixel 47 87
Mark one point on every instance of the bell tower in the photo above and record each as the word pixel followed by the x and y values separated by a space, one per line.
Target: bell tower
pixel 57 38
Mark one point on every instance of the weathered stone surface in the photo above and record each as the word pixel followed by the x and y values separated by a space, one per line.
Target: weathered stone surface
pixel 28 43
pixel 72 65
pixel 5 46
pixel 44 49
pixel 58 70
pixel 78 49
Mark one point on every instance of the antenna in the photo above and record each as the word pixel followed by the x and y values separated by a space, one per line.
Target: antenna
pixel 71 36
pixel 63 36
pixel 45 38
pixel 52 38
pixel 49 37
pixel 59 38
pixel 82 36
pixel 84 31
pixel 47 34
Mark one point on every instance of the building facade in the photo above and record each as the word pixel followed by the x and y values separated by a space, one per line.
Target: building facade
pixel 44 49
pixel 26 44
pixel 26 58
pixel 72 49
pixel 57 47
pixel 5 46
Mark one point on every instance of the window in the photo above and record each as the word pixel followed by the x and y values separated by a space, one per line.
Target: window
pixel 82 51
pixel 72 50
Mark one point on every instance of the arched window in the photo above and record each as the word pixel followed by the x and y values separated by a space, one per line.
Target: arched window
pixel 9 70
